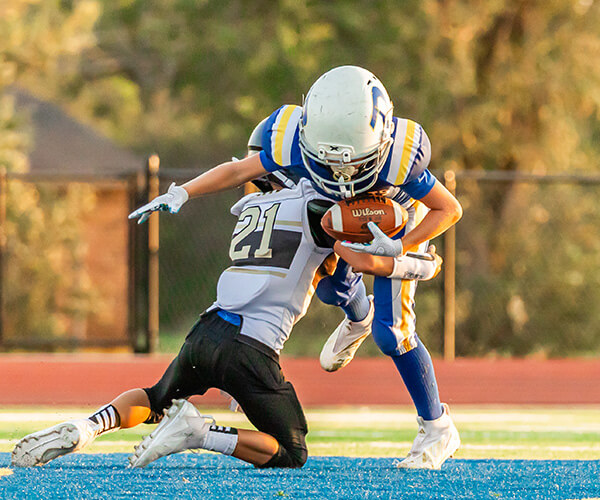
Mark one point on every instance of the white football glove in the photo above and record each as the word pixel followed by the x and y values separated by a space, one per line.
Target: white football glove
pixel 417 265
pixel 382 244
pixel 171 202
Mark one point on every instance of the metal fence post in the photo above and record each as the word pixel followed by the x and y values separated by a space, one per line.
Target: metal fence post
pixel 3 201
pixel 136 185
pixel 450 279
pixel 153 248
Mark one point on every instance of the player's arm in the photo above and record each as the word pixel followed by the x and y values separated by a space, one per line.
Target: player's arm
pixel 419 266
pixel 224 176
pixel 444 212
pixel 364 262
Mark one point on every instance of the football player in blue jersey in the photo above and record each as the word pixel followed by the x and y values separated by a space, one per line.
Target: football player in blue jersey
pixel 346 140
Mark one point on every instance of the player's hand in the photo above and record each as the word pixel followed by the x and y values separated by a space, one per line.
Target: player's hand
pixel 382 244
pixel 171 202
pixel 437 258
pixel 421 266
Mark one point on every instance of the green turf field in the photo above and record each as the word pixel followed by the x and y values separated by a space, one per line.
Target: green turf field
pixel 519 433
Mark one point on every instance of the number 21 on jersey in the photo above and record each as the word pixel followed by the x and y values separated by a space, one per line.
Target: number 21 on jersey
pixel 241 243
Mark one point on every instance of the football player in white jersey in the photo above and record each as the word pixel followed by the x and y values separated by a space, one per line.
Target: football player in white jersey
pixel 278 252
pixel 346 140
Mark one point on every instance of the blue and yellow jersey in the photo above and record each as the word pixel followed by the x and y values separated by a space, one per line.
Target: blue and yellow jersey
pixel 405 168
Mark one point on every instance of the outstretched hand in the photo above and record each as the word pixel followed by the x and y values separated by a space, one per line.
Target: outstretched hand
pixel 381 245
pixel 171 202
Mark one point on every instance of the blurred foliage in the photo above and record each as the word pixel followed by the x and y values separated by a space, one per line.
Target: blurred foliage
pixel 528 282
pixel 510 85
pixel 49 294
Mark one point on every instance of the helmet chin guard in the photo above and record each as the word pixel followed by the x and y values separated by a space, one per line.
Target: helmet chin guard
pixel 345 132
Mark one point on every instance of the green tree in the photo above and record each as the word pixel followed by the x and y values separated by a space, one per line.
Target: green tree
pixel 46 290
pixel 509 85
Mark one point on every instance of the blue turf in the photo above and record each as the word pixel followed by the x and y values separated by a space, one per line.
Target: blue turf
pixel 214 476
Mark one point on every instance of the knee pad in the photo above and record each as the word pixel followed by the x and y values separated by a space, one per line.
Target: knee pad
pixel 293 458
pixel 157 403
pixel 154 418
pixel 389 344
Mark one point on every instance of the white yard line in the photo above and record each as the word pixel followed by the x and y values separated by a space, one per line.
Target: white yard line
pixel 61 416
pixel 401 447
pixel 389 445
pixel 383 444
pixel 538 420
pixel 97 443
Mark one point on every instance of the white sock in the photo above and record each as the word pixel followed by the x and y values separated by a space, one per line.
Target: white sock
pixel 107 418
pixel 221 439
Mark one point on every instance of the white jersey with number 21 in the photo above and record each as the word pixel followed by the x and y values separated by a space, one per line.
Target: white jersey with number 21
pixel 275 258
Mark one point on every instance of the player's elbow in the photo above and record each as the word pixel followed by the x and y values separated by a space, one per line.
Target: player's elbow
pixel 454 211
pixel 458 211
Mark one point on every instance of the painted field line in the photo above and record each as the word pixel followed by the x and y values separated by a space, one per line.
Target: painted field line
pixel 96 443
pixel 62 416
pixel 399 444
pixel 383 445
pixel 5 471
pixel 530 447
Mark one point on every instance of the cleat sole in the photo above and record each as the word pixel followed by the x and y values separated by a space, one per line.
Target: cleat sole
pixel 45 446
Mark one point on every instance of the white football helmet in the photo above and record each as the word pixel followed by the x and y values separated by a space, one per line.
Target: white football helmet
pixel 346 130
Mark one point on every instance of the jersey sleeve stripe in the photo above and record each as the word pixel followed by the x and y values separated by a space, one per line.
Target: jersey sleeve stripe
pixel 282 136
pixel 290 134
pixel 408 153
pixel 396 153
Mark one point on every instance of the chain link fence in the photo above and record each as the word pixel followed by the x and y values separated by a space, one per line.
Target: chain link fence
pixel 194 250
pixel 527 265
pixel 64 262
pixel 74 272
pixel 527 270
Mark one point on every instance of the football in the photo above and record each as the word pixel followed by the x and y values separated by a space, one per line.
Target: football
pixel 347 220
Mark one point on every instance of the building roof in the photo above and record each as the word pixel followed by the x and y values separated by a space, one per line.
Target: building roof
pixel 61 144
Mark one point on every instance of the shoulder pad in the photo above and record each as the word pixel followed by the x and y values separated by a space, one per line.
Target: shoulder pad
pixel 238 207
pixel 315 211
pixel 410 153
pixel 279 134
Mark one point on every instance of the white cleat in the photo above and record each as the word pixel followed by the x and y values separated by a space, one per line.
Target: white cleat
pixel 436 441
pixel 182 428
pixel 342 344
pixel 42 446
